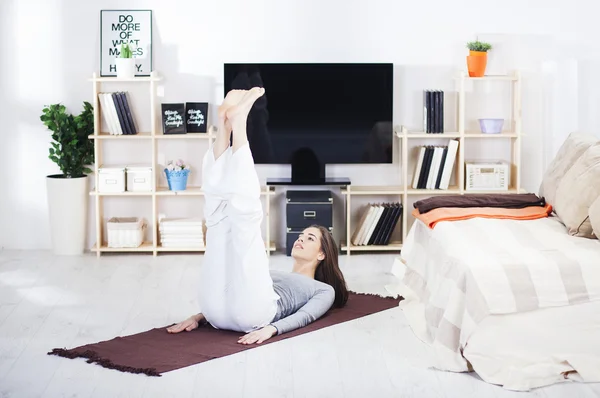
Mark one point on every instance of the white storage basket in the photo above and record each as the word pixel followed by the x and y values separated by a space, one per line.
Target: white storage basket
pixel 125 232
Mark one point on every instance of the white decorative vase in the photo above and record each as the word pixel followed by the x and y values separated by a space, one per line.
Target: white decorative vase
pixel 67 207
pixel 125 68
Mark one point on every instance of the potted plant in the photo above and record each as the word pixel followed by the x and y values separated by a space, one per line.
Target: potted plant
pixel 477 58
pixel 125 63
pixel 67 192
pixel 177 175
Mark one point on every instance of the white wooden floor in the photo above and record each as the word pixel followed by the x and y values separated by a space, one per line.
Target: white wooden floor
pixel 48 302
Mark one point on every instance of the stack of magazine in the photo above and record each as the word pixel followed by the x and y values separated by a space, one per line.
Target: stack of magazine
pixel 181 232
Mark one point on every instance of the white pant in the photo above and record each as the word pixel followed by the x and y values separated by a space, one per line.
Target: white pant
pixel 236 289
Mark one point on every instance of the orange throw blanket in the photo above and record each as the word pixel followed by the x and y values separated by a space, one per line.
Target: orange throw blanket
pixel 432 217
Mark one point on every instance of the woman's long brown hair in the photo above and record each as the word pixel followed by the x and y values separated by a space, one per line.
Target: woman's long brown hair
pixel 328 270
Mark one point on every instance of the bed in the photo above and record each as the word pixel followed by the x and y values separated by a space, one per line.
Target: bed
pixel 517 301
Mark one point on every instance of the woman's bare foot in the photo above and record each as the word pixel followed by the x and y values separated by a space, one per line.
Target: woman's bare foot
pixel 232 98
pixel 238 112
pixel 234 113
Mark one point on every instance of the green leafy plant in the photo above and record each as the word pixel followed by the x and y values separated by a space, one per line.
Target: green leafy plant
pixel 479 46
pixel 71 148
pixel 125 51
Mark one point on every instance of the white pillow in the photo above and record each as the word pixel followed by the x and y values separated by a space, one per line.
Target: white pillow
pixel 594 214
pixel 573 147
pixel 576 192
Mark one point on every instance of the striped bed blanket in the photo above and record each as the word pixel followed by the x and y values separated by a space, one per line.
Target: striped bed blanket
pixel 462 271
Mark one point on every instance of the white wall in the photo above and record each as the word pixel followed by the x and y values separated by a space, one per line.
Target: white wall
pixel 50 47
pixel 589 95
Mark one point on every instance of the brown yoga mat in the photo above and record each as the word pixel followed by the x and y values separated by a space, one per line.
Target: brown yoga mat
pixel 157 351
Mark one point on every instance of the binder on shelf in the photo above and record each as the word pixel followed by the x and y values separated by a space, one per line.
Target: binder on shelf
pixel 419 166
pixel 129 111
pixel 376 224
pixel 442 165
pixel 120 113
pixel 435 165
pixel 396 215
pixel 117 113
pixel 433 111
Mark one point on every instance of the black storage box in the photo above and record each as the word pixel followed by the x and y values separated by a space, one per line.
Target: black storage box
pixel 305 208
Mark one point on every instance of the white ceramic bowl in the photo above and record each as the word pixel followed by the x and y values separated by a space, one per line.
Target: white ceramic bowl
pixel 491 126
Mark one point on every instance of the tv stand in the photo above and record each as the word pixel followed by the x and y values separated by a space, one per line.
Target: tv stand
pixel 334 181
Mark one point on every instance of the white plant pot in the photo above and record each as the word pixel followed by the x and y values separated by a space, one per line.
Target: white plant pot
pixel 125 68
pixel 67 207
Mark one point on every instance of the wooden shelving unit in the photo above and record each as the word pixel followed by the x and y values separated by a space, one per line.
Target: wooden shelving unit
pixel 403 191
pixel 400 192
pixel 157 191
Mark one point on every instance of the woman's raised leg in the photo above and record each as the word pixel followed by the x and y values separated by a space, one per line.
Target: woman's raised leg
pixel 236 270
pixel 213 296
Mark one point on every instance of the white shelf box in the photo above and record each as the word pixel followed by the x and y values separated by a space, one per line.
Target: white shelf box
pixel 125 232
pixel 111 179
pixel 139 178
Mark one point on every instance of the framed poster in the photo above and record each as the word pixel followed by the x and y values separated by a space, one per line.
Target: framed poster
pixel 196 115
pixel 133 27
pixel 173 118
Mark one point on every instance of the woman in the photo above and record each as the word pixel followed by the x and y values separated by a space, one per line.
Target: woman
pixel 238 291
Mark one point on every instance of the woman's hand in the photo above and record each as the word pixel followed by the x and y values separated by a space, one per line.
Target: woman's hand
pixel 258 336
pixel 189 324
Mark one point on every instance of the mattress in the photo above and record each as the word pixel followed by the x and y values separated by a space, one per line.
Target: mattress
pixel 501 297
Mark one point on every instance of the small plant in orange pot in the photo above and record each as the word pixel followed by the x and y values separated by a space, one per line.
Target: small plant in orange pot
pixel 477 58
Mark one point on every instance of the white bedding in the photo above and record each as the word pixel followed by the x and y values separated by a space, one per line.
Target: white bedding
pixel 533 349
pixel 517 301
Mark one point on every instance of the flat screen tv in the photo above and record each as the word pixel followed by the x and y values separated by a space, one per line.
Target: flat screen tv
pixel 317 114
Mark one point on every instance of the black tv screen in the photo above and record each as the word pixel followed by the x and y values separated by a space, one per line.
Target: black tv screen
pixel 339 113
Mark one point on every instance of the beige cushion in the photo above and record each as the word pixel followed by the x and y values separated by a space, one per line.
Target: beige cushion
pixel 576 192
pixel 573 147
pixel 594 214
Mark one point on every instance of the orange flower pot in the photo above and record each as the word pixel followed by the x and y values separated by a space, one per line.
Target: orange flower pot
pixel 476 63
pixel 478 53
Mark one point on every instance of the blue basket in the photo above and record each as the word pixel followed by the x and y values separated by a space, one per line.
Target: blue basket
pixel 177 179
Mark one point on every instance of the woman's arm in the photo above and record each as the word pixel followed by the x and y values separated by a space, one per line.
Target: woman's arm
pixel 315 308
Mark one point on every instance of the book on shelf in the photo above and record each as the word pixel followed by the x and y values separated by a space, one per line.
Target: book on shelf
pixel 116 111
pixel 433 111
pixel 376 224
pixel 434 167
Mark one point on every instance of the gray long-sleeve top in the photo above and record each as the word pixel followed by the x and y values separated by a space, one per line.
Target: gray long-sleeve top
pixel 302 300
